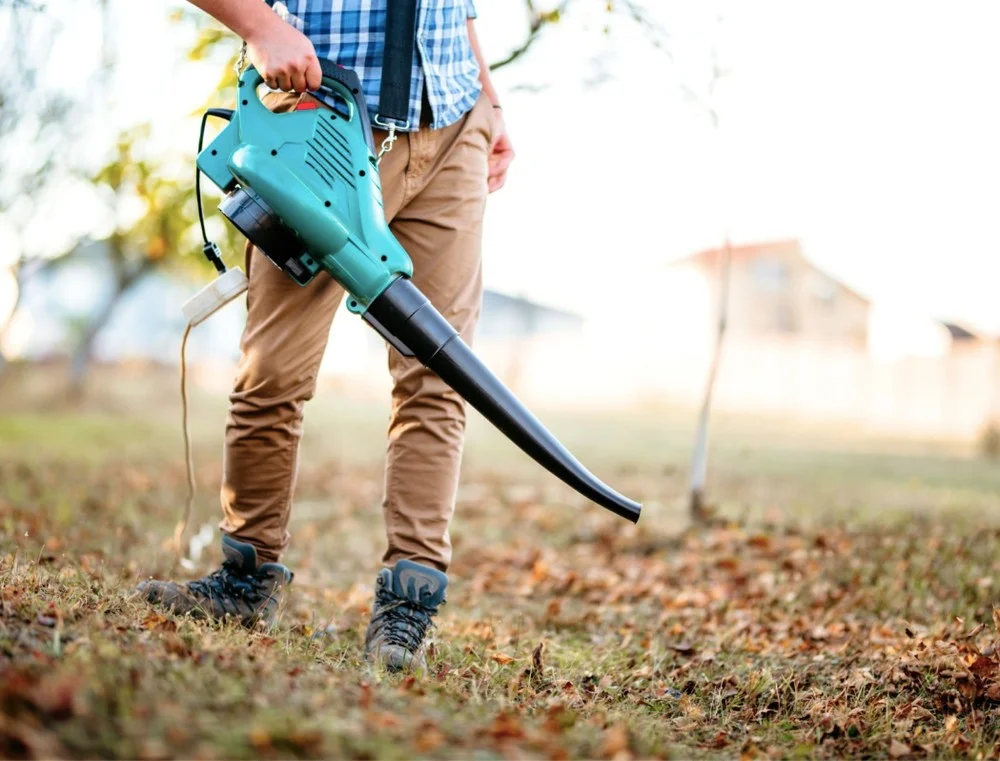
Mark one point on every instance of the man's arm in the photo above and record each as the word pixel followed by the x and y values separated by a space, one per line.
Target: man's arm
pixel 283 55
pixel 501 151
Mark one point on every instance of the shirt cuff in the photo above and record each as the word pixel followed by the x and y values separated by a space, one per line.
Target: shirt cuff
pixel 470 8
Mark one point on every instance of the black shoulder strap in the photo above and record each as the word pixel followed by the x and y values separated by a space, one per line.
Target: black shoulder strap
pixel 397 63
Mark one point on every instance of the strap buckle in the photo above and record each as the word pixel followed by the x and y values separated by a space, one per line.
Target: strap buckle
pixel 390 122
pixel 391 125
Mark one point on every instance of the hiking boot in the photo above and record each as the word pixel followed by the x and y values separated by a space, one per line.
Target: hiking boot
pixel 406 598
pixel 241 589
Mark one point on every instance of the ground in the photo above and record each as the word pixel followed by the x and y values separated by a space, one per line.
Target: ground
pixel 842 604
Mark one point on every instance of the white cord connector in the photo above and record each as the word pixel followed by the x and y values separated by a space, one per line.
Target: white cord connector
pixel 210 299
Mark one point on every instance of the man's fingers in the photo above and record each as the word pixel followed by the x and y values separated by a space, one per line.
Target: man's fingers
pixel 283 81
pixel 500 161
pixel 496 182
pixel 314 75
pixel 299 81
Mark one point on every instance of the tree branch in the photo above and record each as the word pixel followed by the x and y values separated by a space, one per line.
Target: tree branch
pixel 537 21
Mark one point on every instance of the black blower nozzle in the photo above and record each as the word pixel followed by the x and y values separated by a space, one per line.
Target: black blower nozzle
pixel 408 321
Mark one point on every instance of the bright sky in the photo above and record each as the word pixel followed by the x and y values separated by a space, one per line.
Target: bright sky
pixel 869 131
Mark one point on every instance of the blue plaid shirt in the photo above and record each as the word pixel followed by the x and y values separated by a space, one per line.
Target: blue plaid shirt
pixel 352 33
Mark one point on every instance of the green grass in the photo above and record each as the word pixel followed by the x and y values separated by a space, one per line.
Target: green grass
pixel 822 615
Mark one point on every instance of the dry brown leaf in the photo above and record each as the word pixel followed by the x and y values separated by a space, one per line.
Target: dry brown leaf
pixel 174 645
pixel 506 726
pixel 382 719
pixel 429 738
pixel 983 667
pixel 615 741
pixel 977 630
pixel 899 749
pixel 502 658
pixel 260 738
pixel 536 657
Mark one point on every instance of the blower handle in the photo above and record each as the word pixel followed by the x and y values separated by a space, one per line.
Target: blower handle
pixel 336 79
pixel 334 72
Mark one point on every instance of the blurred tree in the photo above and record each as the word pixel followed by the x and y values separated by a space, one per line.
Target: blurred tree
pixel 38 121
pixel 707 101
pixel 155 223
pixel 152 207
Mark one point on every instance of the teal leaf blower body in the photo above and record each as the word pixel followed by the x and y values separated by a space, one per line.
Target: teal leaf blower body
pixel 304 188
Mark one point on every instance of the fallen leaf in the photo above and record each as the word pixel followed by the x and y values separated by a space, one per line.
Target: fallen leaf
pixel 260 738
pixel 174 645
pixel 975 631
pixel 536 657
pixel 898 749
pixel 506 726
pixel 382 719
pixel 983 667
pixel 429 738
pixel 615 741
pixel 502 658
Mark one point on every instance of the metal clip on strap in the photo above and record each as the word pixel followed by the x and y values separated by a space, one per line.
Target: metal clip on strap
pixel 397 62
pixel 389 140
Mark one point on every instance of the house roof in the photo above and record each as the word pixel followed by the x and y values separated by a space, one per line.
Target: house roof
pixel 958 333
pixel 791 247
pixel 711 256
pixel 495 299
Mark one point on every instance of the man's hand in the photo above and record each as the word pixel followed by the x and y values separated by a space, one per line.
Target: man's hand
pixel 501 152
pixel 281 53
pixel 285 58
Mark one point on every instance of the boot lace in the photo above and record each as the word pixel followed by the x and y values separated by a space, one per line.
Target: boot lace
pixel 229 581
pixel 404 622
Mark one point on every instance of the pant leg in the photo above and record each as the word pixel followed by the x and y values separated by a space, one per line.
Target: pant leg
pixel 439 223
pixel 282 346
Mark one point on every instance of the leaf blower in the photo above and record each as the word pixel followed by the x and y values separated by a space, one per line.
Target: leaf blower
pixel 304 188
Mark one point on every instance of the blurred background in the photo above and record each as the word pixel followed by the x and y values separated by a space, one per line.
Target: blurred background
pixel 854 181
pixel 821 176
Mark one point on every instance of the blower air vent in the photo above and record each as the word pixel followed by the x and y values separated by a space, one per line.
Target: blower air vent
pixel 329 156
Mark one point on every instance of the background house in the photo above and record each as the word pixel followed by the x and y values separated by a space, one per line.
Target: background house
pixel 776 291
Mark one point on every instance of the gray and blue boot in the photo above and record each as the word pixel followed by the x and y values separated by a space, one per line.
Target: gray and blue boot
pixel 242 588
pixel 407 597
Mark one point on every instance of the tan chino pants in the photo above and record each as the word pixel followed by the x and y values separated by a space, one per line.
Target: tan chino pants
pixel 434 192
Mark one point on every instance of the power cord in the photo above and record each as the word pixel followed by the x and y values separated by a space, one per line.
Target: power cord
pixel 188 454
pixel 210 250
pixel 226 287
